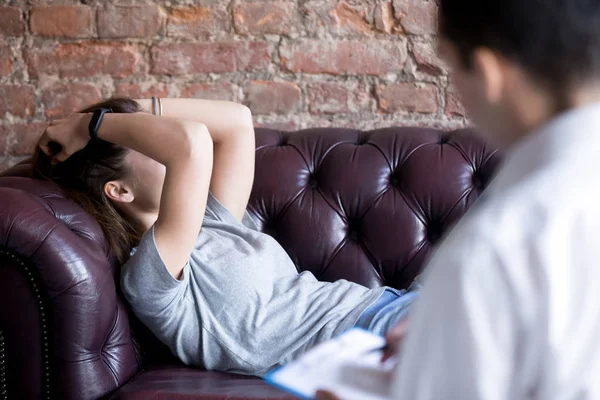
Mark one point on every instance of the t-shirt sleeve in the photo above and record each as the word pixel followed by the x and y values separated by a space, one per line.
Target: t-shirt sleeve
pixel 147 284
pixel 248 222
pixel 215 210
pixel 462 332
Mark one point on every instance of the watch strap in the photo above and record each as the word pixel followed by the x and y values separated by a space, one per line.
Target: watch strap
pixel 96 121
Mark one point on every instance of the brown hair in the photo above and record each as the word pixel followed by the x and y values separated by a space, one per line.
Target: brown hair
pixel 84 174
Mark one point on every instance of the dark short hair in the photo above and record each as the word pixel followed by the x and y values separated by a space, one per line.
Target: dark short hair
pixel 556 41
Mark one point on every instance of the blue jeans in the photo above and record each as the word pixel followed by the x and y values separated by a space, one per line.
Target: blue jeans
pixel 388 310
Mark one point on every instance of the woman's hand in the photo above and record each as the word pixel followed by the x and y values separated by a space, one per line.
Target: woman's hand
pixel 64 137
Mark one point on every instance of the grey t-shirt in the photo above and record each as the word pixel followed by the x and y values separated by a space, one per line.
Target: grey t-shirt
pixel 241 305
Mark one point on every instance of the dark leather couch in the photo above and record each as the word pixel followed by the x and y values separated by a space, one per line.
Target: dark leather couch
pixel 364 206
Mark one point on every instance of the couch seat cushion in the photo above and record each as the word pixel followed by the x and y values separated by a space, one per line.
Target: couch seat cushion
pixel 179 382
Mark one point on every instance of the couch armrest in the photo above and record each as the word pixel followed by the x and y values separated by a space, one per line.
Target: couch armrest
pixel 64 332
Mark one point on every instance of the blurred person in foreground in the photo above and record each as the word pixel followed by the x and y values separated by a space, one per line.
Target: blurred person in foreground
pixel 511 301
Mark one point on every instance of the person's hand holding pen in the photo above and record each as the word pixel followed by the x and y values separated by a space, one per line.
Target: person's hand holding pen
pixel 394 340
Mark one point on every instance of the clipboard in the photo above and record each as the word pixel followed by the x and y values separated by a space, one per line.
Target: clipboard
pixel 348 365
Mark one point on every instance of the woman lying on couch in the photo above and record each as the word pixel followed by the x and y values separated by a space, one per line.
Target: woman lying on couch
pixel 171 180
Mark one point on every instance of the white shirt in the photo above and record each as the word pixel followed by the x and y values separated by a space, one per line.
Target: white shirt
pixel 511 303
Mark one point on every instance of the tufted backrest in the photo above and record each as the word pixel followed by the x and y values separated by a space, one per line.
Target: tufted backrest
pixel 364 206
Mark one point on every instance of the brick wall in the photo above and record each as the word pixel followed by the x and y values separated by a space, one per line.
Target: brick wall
pixel 297 64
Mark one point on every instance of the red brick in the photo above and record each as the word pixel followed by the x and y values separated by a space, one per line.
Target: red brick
pixel 211 91
pixel 264 18
pixel 64 98
pixel 206 2
pixel 197 21
pixel 11 21
pixel 453 103
pixel 272 97
pixel 427 58
pixel 83 60
pixel 201 58
pixel 62 21
pixel 336 98
pixel 369 57
pixel 143 90
pixel 340 19
pixel 20 139
pixel 286 126
pixel 417 17
pixel 408 97
pixel 6 62
pixel 56 2
pixel 17 100
pixel 129 21
pixel 384 17
pixel 254 56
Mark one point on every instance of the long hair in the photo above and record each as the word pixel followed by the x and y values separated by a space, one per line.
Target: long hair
pixel 83 176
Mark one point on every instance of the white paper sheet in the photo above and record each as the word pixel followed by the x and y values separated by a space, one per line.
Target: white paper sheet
pixel 346 366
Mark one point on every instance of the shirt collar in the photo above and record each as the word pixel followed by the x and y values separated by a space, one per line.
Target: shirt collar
pixel 575 133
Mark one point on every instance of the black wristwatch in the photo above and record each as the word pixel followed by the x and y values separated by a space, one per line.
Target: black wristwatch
pixel 96 121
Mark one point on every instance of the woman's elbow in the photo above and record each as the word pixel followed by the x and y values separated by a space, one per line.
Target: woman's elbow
pixel 198 142
pixel 246 116
pixel 246 127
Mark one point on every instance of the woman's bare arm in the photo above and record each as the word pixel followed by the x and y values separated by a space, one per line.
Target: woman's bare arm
pixel 232 131
pixel 184 147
